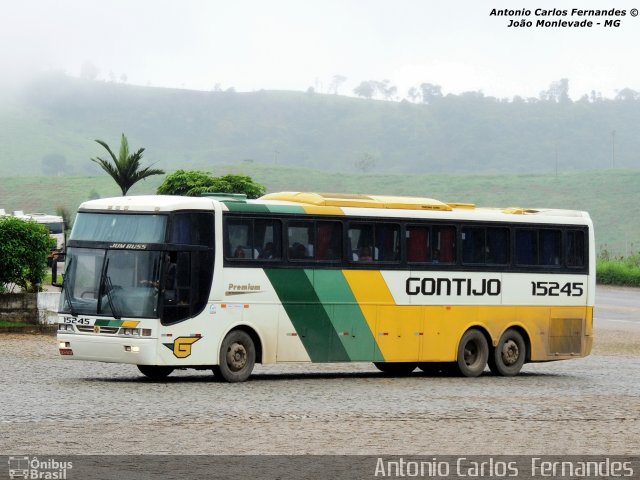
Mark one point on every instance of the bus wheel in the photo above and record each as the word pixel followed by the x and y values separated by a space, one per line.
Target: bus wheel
pixel 155 372
pixel 473 353
pixel 237 357
pixel 509 355
pixel 396 368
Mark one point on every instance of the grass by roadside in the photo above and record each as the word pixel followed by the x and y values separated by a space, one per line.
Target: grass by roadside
pixel 7 326
pixel 624 271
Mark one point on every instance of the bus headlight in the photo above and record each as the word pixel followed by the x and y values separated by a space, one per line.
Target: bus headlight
pixel 130 332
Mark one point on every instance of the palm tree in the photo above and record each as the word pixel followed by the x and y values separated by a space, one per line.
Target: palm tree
pixel 125 168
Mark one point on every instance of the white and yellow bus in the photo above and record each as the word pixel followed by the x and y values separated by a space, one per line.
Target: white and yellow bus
pixel 222 282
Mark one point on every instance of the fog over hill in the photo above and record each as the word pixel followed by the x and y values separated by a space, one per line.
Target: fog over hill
pixel 48 125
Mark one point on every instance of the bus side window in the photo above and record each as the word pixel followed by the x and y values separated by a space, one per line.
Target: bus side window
pixel 550 247
pixel 444 244
pixel 300 238
pixel 473 245
pixel 238 238
pixel 418 244
pixel 526 247
pixel 498 249
pixel 267 241
pixel 575 248
pixel 329 240
pixel 361 242
pixel 387 242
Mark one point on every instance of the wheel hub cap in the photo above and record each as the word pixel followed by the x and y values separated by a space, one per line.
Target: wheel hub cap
pixel 236 356
pixel 510 352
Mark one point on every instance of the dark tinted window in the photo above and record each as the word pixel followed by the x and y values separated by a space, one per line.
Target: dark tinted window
pixel 192 229
pixel 550 247
pixel 301 240
pixel 418 243
pixel 444 244
pixel 575 248
pixel 473 245
pixel 249 238
pixel 370 242
pixel 314 240
pixel 539 247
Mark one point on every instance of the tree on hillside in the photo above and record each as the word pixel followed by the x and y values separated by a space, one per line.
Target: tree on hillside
pixel 365 163
pixel 375 88
pixel 430 92
pixel 336 81
pixel 125 168
pixel 193 183
pixel 365 89
pixel 24 248
pixel 558 92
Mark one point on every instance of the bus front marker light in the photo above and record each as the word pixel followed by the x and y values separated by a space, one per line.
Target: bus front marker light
pixel 135 349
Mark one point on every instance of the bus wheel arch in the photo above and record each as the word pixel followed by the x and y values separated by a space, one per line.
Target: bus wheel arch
pixel 512 351
pixel 239 351
pixel 473 352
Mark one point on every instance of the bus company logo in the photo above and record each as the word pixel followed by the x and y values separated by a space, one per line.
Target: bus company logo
pixel 48 469
pixel 181 346
pixel 459 287
pixel 239 289
pixel 128 246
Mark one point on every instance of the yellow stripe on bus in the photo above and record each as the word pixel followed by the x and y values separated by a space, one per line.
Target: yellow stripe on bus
pixel 319 210
pixel 432 332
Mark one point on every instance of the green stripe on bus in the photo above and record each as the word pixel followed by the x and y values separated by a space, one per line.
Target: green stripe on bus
pixel 102 322
pixel 344 312
pixel 285 209
pixel 257 208
pixel 309 318
pixel 246 207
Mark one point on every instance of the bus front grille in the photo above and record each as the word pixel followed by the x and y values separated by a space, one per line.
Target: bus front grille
pixel 95 329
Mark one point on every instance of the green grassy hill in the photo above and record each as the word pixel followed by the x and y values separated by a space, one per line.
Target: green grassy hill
pixel 611 197
pixel 48 128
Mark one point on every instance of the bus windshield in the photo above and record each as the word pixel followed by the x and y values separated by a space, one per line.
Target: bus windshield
pixel 113 283
pixel 111 227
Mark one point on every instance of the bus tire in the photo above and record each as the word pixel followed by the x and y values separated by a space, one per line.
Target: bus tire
pixel 473 353
pixel 508 357
pixel 155 372
pixel 396 368
pixel 237 357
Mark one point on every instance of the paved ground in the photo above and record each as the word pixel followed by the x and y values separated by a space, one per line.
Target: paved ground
pixel 576 407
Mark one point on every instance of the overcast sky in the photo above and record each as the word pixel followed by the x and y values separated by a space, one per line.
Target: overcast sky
pixel 292 45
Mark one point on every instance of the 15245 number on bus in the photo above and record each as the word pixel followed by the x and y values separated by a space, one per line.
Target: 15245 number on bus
pixel 556 289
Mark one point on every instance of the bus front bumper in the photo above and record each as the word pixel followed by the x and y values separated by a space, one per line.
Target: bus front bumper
pixel 137 351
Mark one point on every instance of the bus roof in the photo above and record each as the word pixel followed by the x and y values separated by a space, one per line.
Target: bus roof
pixel 148 203
pixel 338 204
pixel 408 207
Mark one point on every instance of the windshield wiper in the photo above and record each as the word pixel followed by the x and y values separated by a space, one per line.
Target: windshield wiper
pixel 67 293
pixel 107 287
pixel 110 297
